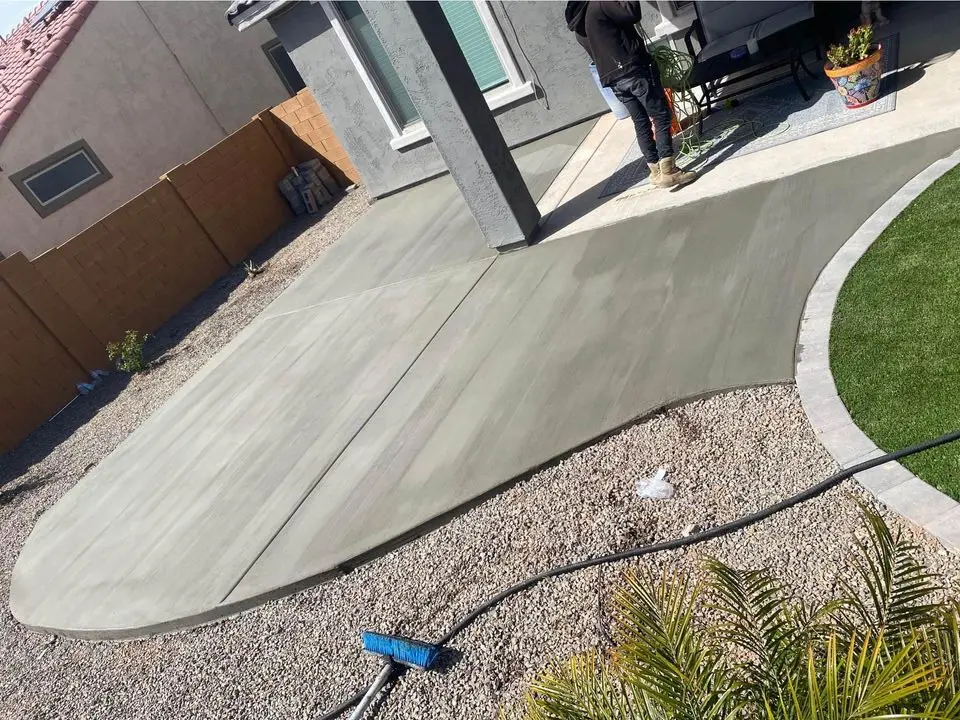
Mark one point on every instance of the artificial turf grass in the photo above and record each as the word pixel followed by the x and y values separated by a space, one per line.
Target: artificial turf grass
pixel 895 337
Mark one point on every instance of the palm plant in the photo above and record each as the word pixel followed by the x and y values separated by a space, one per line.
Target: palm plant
pixel 739 644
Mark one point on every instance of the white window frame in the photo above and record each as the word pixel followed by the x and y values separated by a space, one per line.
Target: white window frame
pixel 47 207
pixel 54 166
pixel 516 88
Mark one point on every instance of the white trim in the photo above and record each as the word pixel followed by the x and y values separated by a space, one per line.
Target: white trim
pixel 513 90
pixel 410 136
pixel 497 98
pixel 673 23
pixel 499 42
pixel 259 12
pixel 80 151
pixel 346 39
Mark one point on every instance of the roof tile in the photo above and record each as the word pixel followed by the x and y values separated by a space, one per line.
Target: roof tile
pixel 28 55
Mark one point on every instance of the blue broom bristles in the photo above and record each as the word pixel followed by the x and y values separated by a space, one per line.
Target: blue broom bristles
pixel 403 650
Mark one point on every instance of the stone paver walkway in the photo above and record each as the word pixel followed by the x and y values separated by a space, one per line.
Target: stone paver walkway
pixel 894 485
pixel 410 371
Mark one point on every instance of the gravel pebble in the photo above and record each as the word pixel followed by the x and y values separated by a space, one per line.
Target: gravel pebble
pixel 726 456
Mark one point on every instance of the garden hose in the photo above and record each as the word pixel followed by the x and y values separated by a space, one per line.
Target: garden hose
pixel 718 531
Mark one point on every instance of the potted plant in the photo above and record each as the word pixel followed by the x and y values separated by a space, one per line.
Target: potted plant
pixel 856 67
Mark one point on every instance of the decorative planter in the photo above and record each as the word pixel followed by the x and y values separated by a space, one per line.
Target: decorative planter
pixel 858 84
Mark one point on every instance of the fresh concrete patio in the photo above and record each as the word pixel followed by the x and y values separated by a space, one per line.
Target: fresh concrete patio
pixel 412 370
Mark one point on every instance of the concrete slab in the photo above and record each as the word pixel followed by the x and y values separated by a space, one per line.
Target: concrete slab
pixel 422 394
pixel 569 340
pixel 420 230
pixel 166 526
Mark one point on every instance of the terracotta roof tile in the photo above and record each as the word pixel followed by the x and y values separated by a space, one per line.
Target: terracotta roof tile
pixel 28 55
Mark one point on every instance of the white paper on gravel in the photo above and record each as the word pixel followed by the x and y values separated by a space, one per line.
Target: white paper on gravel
pixel 655 487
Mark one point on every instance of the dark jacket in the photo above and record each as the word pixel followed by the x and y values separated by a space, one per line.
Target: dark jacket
pixel 605 30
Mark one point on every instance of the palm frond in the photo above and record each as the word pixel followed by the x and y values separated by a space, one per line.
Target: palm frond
pixel 884 651
pixel 898 588
pixel 585 689
pixel 940 644
pixel 864 680
pixel 664 654
pixel 759 614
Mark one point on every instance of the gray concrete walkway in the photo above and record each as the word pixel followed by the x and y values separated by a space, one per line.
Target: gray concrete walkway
pixel 410 371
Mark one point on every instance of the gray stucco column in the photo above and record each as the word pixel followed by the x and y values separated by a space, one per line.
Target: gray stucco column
pixel 426 56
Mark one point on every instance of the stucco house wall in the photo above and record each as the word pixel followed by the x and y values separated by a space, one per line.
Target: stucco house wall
pixel 229 69
pixel 121 88
pixel 546 54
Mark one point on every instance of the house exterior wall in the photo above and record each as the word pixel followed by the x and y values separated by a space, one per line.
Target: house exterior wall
pixel 119 87
pixel 541 35
pixel 229 69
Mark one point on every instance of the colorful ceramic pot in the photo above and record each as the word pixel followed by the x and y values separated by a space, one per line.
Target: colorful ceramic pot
pixel 858 84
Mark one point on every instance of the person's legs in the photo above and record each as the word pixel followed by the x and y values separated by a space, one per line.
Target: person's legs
pixel 642 94
pixel 630 90
pixel 657 107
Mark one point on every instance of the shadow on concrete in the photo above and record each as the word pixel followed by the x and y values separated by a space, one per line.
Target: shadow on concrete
pixel 929 31
pixel 590 199
pixel 161 347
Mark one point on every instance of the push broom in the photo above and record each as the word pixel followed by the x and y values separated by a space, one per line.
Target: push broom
pixel 423 656
pixel 393 649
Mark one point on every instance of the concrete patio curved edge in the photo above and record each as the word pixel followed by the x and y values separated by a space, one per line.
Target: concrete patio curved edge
pixel 892 484
pixel 398 381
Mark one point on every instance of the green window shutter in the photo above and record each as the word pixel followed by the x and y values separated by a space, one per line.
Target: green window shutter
pixel 379 64
pixel 473 39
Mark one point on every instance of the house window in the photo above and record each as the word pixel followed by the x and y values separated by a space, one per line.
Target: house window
pixel 284 66
pixel 61 178
pixel 473 39
pixel 376 62
pixel 479 37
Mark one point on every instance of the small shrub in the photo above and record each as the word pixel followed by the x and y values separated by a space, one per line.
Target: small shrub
pixel 252 269
pixel 127 354
pixel 858 47
pixel 890 649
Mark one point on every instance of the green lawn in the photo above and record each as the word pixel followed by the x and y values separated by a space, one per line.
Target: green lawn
pixel 895 340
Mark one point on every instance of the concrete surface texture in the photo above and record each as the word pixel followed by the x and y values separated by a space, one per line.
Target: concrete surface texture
pixel 533 33
pixel 928 102
pixel 374 397
pixel 422 47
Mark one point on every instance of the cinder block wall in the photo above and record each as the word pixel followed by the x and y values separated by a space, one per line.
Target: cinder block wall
pixel 37 374
pixel 134 269
pixel 309 133
pixel 232 190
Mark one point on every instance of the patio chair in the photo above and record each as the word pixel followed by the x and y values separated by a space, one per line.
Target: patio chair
pixel 740 41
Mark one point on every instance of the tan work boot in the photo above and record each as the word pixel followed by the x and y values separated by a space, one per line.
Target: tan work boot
pixel 654 174
pixel 672 176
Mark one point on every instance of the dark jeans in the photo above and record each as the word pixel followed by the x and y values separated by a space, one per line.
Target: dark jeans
pixel 642 94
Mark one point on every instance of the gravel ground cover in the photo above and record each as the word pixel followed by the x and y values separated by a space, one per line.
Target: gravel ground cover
pixel 726 456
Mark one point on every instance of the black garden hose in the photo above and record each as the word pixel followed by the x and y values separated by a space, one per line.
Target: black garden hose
pixel 725 529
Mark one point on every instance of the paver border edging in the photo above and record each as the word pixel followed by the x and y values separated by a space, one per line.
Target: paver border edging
pixel 891 483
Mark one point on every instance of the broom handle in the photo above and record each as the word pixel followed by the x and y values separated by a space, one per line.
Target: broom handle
pixel 377 686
